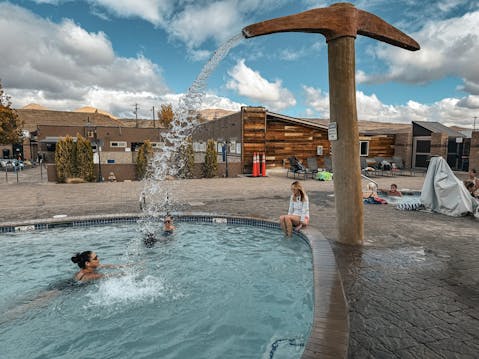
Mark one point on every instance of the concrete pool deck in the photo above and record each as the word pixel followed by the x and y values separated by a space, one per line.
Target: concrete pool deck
pixel 412 289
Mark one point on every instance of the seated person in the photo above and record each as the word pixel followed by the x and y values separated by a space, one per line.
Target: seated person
pixel 470 187
pixel 371 195
pixel 371 191
pixel 112 177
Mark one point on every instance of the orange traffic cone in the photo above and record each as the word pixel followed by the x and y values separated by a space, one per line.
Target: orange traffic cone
pixel 257 164
pixel 263 167
pixel 254 165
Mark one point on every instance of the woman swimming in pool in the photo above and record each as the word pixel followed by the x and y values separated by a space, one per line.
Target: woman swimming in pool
pixel 89 262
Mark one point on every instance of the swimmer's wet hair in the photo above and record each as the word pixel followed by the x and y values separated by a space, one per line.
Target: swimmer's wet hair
pixel 81 258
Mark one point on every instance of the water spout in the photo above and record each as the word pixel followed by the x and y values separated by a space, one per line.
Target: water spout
pixel 158 191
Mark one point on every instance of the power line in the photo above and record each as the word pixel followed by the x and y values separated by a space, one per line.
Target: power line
pixel 136 114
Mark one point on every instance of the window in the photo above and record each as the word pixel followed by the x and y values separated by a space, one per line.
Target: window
pixel 319 150
pixel 90 134
pixel 117 144
pixel 364 148
pixel 157 145
pixel 199 146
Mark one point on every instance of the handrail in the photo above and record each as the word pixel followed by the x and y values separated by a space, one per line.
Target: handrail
pixel 369 179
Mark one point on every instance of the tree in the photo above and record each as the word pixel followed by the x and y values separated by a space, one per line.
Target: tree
pixel 145 152
pixel 210 166
pixel 84 159
pixel 166 115
pixel 10 125
pixel 65 160
pixel 186 159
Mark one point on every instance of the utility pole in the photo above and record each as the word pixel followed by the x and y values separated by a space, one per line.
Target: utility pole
pixel 136 114
pixel 153 116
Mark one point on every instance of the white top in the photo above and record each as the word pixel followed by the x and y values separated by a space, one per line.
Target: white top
pixel 299 208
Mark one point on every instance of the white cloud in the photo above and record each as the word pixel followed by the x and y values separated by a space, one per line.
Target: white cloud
pixel 155 11
pixel 448 48
pixel 318 100
pixel 448 111
pixel 67 62
pixel 251 84
pixel 471 102
pixel 197 23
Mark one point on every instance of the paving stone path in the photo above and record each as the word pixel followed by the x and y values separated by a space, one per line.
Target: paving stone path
pixel 412 289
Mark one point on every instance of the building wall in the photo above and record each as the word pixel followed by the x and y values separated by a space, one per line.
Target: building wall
pixel 253 121
pixel 380 145
pixel 118 157
pixel 104 134
pixel 285 139
pixel 222 129
pixel 474 153
pixel 403 148
pixel 439 144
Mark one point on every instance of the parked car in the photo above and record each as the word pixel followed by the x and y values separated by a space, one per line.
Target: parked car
pixel 12 164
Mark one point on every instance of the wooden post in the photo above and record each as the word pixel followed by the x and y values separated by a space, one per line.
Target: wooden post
pixel 347 172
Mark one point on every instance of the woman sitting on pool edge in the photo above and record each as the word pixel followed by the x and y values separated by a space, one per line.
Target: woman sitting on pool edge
pixel 89 262
pixel 298 212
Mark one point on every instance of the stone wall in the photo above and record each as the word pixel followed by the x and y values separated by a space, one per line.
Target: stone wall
pixel 403 148
pixel 474 153
pixel 439 144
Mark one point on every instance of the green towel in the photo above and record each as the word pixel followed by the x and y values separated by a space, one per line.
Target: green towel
pixel 324 176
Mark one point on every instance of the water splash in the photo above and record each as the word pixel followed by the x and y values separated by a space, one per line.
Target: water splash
pixel 158 192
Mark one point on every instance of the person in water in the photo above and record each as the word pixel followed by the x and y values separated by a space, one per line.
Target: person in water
pixel 392 191
pixel 89 263
pixel 168 226
pixel 298 212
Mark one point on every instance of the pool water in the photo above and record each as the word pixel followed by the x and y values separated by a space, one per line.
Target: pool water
pixel 405 199
pixel 208 291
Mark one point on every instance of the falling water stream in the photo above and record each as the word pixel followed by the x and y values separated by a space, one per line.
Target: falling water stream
pixel 158 191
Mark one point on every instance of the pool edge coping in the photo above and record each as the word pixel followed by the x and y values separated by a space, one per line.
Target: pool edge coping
pixel 329 334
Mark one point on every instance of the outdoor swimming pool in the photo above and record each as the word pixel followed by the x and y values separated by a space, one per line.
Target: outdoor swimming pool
pixel 210 291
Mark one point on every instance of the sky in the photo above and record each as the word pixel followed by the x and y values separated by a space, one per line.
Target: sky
pixel 115 54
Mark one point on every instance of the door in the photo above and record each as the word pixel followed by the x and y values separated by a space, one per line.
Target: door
pixel 421 151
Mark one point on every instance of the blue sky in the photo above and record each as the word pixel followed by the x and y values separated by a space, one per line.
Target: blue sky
pixel 113 54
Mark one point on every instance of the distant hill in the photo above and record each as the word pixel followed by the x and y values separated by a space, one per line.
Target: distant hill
pixel 211 114
pixel 89 109
pixel 34 106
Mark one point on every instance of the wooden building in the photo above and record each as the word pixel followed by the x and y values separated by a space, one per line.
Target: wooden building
pixel 254 129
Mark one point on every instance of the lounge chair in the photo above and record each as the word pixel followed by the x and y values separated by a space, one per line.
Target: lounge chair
pixel 312 166
pixel 297 168
pixel 328 164
pixel 399 164
pixel 385 170
pixel 367 169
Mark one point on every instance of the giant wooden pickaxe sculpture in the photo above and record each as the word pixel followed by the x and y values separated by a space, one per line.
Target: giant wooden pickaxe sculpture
pixel 340 23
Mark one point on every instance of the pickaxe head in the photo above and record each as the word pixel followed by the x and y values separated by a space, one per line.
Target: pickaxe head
pixel 337 20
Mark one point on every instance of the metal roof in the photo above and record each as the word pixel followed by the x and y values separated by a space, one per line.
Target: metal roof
pixel 297 120
pixel 436 127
